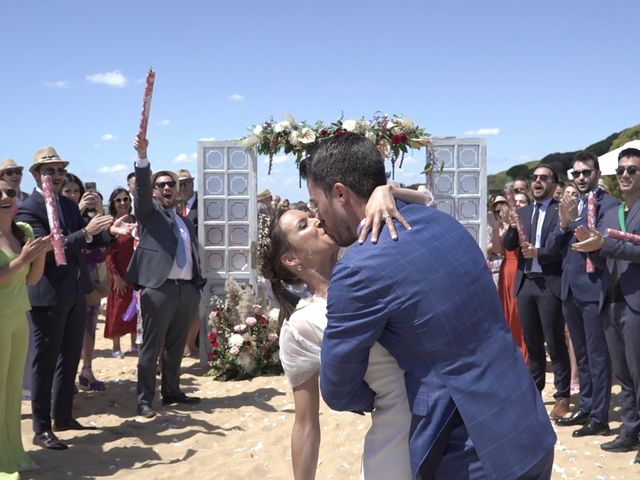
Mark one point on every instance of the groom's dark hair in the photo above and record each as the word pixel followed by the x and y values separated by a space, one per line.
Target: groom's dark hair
pixel 350 159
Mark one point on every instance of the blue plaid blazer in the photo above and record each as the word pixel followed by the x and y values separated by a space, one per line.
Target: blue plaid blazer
pixel 429 299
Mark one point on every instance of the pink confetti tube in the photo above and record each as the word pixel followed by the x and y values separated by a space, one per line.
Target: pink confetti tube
pixel 57 238
pixel 146 104
pixel 591 223
pixel 624 236
pixel 511 202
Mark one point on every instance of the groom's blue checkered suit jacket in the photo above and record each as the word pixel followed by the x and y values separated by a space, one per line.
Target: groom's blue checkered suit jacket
pixel 429 299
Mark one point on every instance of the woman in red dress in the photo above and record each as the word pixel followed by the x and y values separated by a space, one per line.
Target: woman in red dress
pixel 508 268
pixel 119 255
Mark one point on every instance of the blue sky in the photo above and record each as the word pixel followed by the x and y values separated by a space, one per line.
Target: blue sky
pixel 539 76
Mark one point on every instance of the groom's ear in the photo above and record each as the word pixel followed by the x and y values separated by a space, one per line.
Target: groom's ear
pixel 341 192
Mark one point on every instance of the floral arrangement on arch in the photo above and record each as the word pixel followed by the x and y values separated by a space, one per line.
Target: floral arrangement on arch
pixel 393 135
pixel 243 341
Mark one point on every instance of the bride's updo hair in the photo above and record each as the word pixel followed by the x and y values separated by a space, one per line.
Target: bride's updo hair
pixel 272 244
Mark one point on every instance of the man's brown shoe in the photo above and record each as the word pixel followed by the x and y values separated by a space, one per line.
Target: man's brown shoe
pixel 561 409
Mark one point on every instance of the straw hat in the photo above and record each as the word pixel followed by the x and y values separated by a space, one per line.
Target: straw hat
pixel 263 195
pixel 499 199
pixel 184 174
pixel 9 164
pixel 163 173
pixel 46 155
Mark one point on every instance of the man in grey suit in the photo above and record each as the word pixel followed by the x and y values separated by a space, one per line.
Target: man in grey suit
pixel 620 298
pixel 166 267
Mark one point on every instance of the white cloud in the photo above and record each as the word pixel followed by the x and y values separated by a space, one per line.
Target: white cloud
pixel 206 139
pixel 185 158
pixel 236 97
pixel 483 131
pixel 97 145
pixel 58 84
pixel 112 79
pixel 163 123
pixel 117 168
pixel 109 137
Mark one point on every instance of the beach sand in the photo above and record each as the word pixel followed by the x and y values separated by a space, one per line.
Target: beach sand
pixel 241 430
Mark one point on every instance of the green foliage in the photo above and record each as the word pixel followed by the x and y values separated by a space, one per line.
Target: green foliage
pixel 625 136
pixel 603 146
pixel 519 171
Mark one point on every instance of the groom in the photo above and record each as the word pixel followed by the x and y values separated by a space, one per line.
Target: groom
pixel 431 302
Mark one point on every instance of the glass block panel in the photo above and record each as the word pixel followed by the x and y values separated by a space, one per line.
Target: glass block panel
pixel 238 210
pixel 239 235
pixel 239 260
pixel 446 205
pixel 444 154
pixel 473 229
pixel 215 261
pixel 214 158
pixel 468 183
pixel 468 209
pixel 214 209
pixel 468 156
pixel 238 184
pixel 214 235
pixel 444 183
pixel 238 159
pixel 214 183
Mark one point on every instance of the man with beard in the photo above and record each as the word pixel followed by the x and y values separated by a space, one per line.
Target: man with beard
pixel 474 410
pixel 580 296
pixel 620 296
pixel 537 288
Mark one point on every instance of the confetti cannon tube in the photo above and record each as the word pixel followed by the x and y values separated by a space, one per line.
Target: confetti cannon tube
pixel 624 236
pixel 57 238
pixel 146 104
pixel 513 210
pixel 591 223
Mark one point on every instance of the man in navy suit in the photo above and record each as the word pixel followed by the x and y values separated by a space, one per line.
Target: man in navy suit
pixel 59 311
pixel 537 288
pixel 620 296
pixel 580 301
pixel 431 302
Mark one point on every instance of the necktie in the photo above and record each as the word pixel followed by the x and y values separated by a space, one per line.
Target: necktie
pixel 181 252
pixel 533 234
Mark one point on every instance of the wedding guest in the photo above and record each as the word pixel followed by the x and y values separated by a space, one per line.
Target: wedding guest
pixel 522 200
pixel 265 200
pixel 89 203
pixel 58 303
pixel 620 298
pixel 580 294
pixel 557 195
pixel 507 272
pixel 119 254
pixel 21 263
pixel 537 288
pixel 521 185
pixel 167 266
pixel 11 173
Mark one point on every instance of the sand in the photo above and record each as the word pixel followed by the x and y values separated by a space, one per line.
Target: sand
pixel 239 431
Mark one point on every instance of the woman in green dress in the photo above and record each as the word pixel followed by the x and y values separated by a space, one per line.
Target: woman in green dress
pixel 21 262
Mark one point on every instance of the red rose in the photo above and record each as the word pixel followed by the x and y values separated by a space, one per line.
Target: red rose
pixel 263 321
pixel 403 137
pixel 340 132
pixel 396 139
pixel 324 132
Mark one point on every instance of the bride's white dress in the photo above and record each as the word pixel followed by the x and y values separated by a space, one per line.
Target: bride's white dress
pixel 386 444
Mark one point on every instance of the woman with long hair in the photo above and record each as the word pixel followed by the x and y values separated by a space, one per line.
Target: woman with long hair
pixel 293 248
pixel 119 255
pixel 21 262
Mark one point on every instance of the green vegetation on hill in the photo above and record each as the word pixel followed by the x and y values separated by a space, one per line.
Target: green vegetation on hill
pixel 561 162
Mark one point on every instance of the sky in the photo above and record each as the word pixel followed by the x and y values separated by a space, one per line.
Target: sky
pixel 530 77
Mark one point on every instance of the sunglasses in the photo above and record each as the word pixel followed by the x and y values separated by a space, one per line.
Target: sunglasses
pixel 161 185
pixel 52 171
pixel 186 182
pixel 585 173
pixel 631 170
pixel 10 192
pixel 542 178
pixel 122 200
pixel 13 171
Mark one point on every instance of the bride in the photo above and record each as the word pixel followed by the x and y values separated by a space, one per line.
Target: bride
pixel 293 248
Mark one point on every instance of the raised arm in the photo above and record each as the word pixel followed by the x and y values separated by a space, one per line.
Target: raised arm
pixel 144 190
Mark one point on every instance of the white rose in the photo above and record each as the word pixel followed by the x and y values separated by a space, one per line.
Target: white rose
pixel 370 136
pixel 236 340
pixel 272 336
pixel 234 350
pixel 307 135
pixel 250 321
pixel 282 126
pixel 390 124
pixel 349 125
pixel 240 328
pixel 257 130
pixel 294 138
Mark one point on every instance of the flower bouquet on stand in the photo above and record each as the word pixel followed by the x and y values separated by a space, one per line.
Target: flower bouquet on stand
pixel 243 341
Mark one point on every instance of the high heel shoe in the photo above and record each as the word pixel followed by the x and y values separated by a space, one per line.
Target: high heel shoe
pixel 91 385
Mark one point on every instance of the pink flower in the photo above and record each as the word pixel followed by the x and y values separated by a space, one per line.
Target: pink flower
pixel 272 336
pixel 234 350
pixel 240 328
pixel 250 321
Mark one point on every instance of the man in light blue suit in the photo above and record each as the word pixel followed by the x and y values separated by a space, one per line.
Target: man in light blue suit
pixel 430 301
